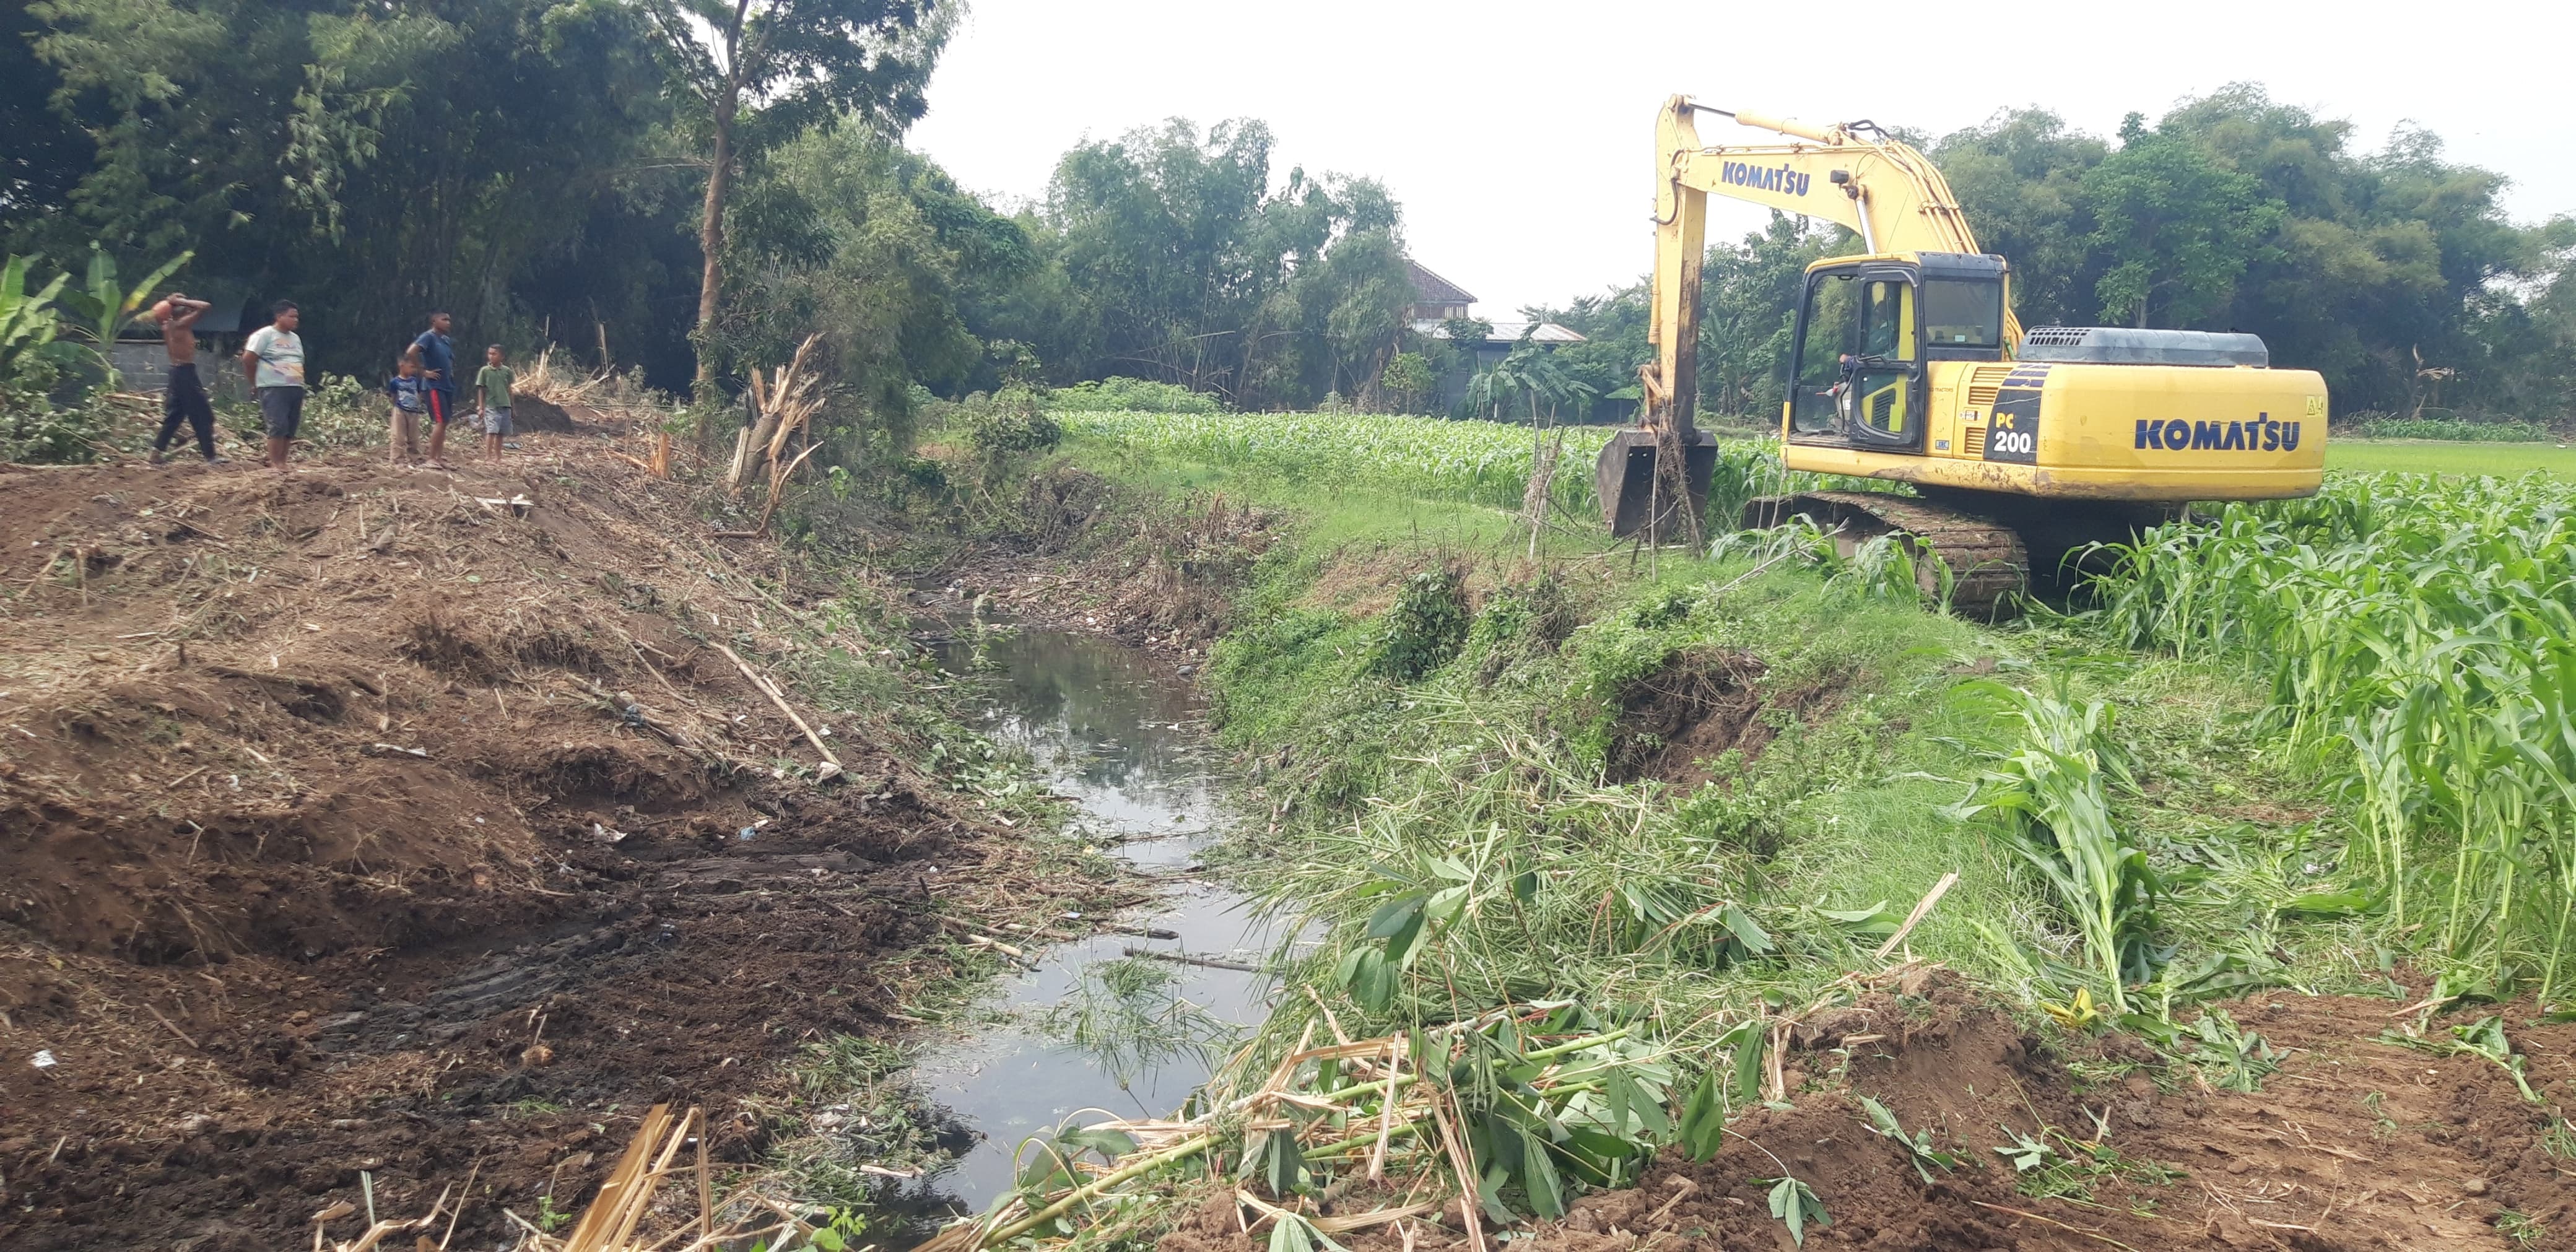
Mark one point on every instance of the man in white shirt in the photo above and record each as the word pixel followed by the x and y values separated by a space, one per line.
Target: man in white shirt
pixel 273 362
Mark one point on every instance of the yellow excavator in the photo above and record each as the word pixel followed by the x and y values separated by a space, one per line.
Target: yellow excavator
pixel 2022 448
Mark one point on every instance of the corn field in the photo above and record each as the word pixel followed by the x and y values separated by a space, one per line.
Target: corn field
pixel 2420 635
pixel 1471 462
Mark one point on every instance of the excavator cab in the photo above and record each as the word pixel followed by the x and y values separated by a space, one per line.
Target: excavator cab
pixel 1868 329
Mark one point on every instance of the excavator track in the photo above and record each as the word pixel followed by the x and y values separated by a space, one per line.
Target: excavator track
pixel 1987 561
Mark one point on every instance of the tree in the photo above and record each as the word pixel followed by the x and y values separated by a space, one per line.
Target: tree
pixel 1195 272
pixel 2019 176
pixel 765 71
pixel 1406 380
pixel 2175 229
pixel 374 161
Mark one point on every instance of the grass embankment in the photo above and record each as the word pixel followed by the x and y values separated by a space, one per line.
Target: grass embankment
pixel 1685 795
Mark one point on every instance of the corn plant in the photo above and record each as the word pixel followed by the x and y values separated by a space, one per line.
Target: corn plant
pixel 2420 638
pixel 2051 795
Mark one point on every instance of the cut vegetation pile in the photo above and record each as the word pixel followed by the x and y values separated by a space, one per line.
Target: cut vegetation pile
pixel 367 830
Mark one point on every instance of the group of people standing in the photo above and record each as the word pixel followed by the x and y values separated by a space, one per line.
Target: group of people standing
pixel 423 386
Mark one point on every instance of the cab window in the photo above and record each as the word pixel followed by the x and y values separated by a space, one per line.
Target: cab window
pixel 1963 313
pixel 1884 325
pixel 1832 331
pixel 1878 399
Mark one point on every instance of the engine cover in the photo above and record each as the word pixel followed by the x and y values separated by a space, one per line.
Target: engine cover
pixel 2121 345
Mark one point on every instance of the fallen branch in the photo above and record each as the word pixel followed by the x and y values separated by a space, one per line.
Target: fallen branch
pixel 1922 908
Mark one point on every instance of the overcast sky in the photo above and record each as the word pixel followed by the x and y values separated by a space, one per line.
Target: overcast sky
pixel 1518 135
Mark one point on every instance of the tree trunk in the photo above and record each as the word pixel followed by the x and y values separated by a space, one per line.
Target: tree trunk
pixel 711 240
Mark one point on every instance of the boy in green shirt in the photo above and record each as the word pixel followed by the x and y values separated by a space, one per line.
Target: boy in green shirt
pixel 492 395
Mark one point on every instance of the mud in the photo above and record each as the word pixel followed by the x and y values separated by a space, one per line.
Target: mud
pixel 348 827
pixel 2352 1144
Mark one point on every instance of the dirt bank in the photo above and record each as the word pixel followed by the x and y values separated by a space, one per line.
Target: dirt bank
pixel 2351 1144
pixel 373 819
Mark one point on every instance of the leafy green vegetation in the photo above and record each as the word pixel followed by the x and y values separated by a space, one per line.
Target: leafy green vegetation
pixel 2421 651
pixel 2507 460
pixel 2387 426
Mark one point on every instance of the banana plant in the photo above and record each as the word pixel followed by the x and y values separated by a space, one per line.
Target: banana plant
pixel 106 307
pixel 28 321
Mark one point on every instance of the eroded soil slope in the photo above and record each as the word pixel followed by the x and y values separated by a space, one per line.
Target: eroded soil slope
pixel 364 820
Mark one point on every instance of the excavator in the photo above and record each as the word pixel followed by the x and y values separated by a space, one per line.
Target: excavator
pixel 2022 448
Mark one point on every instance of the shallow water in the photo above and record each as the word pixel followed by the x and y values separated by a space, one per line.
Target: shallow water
pixel 1126 742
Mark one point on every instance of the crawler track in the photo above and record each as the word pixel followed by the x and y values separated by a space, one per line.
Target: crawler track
pixel 1986 558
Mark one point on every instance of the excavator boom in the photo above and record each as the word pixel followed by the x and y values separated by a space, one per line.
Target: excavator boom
pixel 1849 174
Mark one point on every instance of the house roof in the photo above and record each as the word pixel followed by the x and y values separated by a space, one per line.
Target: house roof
pixel 1505 332
pixel 1430 288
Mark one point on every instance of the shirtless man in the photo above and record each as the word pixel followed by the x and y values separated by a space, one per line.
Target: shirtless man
pixel 184 396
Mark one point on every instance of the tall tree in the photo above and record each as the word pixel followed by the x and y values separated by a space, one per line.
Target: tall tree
pixel 2175 227
pixel 2019 175
pixel 371 161
pixel 765 71
pixel 1198 273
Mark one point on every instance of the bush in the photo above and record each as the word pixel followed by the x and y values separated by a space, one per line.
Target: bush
pixel 34 432
pixel 2370 425
pixel 1133 395
pixel 341 412
pixel 1426 627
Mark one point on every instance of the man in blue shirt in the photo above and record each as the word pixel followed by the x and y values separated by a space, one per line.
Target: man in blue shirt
pixel 438 366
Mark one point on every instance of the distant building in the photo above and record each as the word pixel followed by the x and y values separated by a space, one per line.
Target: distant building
pixel 1436 300
pixel 1434 297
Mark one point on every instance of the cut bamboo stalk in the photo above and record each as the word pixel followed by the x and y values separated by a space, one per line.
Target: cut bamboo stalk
pixel 762 683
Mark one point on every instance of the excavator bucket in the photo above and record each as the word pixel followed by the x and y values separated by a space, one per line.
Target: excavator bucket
pixel 1635 497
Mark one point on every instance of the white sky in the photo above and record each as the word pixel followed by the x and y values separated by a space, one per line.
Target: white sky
pixel 1517 135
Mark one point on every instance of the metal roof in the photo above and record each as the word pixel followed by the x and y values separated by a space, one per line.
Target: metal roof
pixel 1505 332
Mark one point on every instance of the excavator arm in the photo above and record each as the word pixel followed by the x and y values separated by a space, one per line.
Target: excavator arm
pixel 1850 173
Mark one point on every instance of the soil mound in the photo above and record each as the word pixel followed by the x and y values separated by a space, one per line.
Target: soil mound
pixel 2352 1144
pixel 325 800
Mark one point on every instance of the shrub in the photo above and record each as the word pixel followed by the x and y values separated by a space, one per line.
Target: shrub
pixel 1133 395
pixel 1426 627
pixel 2371 425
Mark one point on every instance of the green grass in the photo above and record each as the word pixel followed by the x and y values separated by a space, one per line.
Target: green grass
pixel 2427 456
pixel 1501 759
pixel 1477 829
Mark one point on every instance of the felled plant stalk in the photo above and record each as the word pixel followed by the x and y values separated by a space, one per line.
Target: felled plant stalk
pixel 783 405
pixel 831 766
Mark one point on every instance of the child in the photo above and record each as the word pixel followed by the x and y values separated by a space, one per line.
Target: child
pixel 492 395
pixel 410 394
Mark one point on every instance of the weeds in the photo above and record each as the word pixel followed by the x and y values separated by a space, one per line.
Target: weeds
pixel 2482 1038
pixel 1919 1151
